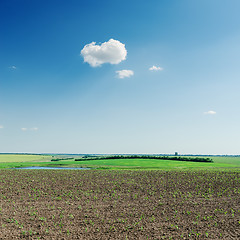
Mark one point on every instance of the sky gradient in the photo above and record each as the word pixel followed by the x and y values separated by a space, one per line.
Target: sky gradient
pixel 179 90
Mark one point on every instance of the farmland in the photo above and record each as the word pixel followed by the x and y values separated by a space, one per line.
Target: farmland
pixel 119 204
pixel 25 160
pixel 165 200
pixel 8 158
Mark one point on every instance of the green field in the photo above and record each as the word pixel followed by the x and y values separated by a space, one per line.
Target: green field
pixel 219 163
pixel 24 160
pixel 228 160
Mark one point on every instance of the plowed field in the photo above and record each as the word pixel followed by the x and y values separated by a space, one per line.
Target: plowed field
pixel 72 204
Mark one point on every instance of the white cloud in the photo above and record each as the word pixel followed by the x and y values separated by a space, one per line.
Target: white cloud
pixel 210 112
pixel 1 126
pixel 124 73
pixel 155 68
pixel 112 52
pixel 31 129
pixel 13 67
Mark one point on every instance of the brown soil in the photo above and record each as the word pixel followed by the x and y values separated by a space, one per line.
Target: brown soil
pixel 75 204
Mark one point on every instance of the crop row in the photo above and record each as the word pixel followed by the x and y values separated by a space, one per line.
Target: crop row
pixel 119 204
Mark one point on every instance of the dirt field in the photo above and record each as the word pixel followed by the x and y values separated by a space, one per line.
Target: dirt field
pixel 72 204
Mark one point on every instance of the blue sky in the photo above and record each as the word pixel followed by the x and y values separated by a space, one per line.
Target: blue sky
pixel 54 100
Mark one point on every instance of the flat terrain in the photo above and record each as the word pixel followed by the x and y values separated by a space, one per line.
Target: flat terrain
pixel 161 164
pixel 119 204
pixel 8 158
pixel 25 160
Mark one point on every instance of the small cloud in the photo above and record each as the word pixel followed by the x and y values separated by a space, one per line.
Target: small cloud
pixel 112 52
pixel 155 68
pixel 31 129
pixel 124 73
pixel 210 112
pixel 12 67
pixel 1 126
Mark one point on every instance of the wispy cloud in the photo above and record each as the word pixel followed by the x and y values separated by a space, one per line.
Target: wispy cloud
pixel 210 112
pixel 1 126
pixel 155 68
pixel 29 129
pixel 124 73
pixel 112 52
pixel 12 67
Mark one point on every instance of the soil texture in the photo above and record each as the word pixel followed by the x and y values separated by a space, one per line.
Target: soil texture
pixel 100 204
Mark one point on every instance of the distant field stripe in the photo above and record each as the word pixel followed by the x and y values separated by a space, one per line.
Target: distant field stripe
pixel 8 158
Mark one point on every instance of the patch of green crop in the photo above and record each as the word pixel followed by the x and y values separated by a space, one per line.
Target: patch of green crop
pixel 227 160
pixel 155 164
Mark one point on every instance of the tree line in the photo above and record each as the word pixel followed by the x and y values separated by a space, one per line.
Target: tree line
pixel 175 158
